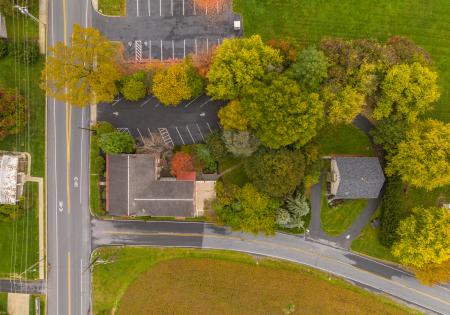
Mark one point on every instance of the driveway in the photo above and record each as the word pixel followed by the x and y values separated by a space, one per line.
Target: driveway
pixel 167 29
pixel 189 122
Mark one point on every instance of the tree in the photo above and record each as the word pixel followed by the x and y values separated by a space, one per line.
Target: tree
pixel 233 117
pixel 286 50
pixel 205 156
pixel 181 162
pixel 3 47
pixel 116 142
pixel 13 116
pixel 345 106
pixel 434 273
pixel 177 83
pixel 388 133
pixel 310 69
pixel 297 208
pixel 11 212
pixel 240 143
pixel 6 7
pixel 216 145
pixel 407 51
pixel 25 51
pixel 134 87
pixel 391 213
pixel 102 127
pixel 280 113
pixel 407 92
pixel 423 158
pixel 84 72
pixel 276 173
pixel 424 238
pixel 238 63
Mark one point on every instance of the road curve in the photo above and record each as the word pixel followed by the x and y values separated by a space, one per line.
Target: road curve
pixel 358 269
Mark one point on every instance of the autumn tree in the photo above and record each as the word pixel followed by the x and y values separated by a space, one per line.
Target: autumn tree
pixel 177 83
pixel 388 133
pixel 423 158
pixel 424 238
pixel 310 69
pixel 240 143
pixel 134 86
pixel 407 51
pixel 84 71
pixel 13 116
pixel 215 145
pixel 276 173
pixel 344 106
pixel 286 50
pixel 434 273
pixel 232 116
pixel 238 63
pixel 407 91
pixel 116 142
pixel 181 162
pixel 281 113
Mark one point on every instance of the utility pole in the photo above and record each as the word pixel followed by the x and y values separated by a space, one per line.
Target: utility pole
pixel 24 11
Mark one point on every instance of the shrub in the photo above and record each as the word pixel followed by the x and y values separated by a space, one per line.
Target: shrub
pixel 310 69
pixel 181 162
pixel 12 112
pixel 26 52
pixel 100 164
pixel 216 145
pixel 11 212
pixel 3 47
pixel 116 142
pixel 391 211
pixel 103 127
pixel 134 87
pixel 204 155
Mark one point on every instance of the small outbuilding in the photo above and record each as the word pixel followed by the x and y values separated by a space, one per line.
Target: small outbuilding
pixel 355 178
pixel 12 178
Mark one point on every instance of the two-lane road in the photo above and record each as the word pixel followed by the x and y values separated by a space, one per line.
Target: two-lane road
pixel 68 227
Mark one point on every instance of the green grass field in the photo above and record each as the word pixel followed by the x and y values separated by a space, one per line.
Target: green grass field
pixel 3 303
pixel 112 7
pixel 188 281
pixel 306 22
pixel 343 139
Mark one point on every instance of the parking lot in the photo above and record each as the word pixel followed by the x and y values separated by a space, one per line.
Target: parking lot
pixel 189 122
pixel 168 29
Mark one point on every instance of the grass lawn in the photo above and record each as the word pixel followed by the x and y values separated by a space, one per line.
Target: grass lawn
pixel 112 7
pixel 33 305
pixel 336 220
pixel 3 303
pixel 344 139
pixel 367 243
pixel 19 240
pixel 236 176
pixel 150 280
pixel 306 22
pixel 96 206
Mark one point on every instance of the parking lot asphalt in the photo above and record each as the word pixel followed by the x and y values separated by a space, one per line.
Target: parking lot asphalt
pixel 168 29
pixel 189 122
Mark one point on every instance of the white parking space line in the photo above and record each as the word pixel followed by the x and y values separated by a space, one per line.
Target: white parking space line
pixel 137 7
pixel 183 7
pixel 187 105
pixel 171 6
pixel 140 134
pixel 206 10
pixel 151 135
pixel 207 45
pixel 149 10
pixel 209 127
pixel 203 104
pixel 196 46
pixel 173 49
pixel 184 47
pixel 116 101
pixel 160 11
pixel 151 97
pixel 150 49
pixel 179 134
pixel 123 130
pixel 157 105
pixel 161 51
pixel 198 127
pixel 193 140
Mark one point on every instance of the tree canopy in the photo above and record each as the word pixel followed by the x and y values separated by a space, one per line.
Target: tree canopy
pixel 181 162
pixel 116 142
pixel 13 115
pixel 424 238
pixel 310 69
pixel 345 106
pixel 240 143
pixel 280 113
pixel 177 83
pixel 83 72
pixel 423 158
pixel 134 87
pixel 276 173
pixel 407 91
pixel 233 117
pixel 239 62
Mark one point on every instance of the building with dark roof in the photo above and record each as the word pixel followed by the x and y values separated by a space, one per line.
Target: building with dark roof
pixel 356 178
pixel 133 188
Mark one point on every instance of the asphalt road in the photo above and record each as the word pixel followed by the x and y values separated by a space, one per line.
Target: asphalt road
pixel 27 287
pixel 68 228
pixel 361 270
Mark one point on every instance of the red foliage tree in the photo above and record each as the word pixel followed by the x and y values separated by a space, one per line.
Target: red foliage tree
pixel 181 162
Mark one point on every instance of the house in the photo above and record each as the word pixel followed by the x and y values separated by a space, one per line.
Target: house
pixel 11 178
pixel 355 178
pixel 134 188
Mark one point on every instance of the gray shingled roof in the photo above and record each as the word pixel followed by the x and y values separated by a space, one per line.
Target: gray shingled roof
pixel 134 190
pixel 360 177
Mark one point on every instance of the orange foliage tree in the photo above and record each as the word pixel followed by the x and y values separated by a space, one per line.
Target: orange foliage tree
pixel 286 49
pixel 181 162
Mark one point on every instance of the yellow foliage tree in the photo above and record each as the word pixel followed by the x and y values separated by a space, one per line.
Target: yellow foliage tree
pixel 83 72
pixel 434 273
pixel 345 106
pixel 232 116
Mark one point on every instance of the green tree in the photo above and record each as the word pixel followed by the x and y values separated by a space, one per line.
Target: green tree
pixel 116 142
pixel 134 87
pixel 310 69
pixel 424 238
pixel 11 212
pixel 423 158
pixel 345 106
pixel 388 133
pixel 102 127
pixel 276 173
pixel 239 62
pixel 233 117
pixel 84 72
pixel 13 116
pixel 407 91
pixel 205 156
pixel 177 83
pixel 240 143
pixel 298 208
pixel 391 212
pixel 216 145
pixel 280 113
